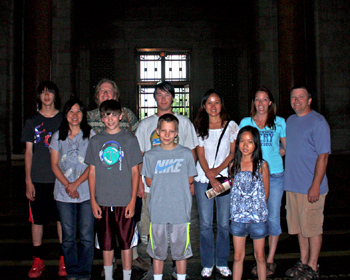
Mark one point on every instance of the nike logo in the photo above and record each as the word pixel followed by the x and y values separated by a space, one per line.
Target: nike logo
pixel 168 166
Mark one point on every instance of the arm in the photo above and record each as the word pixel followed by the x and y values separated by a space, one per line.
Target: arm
pixel 148 181
pixel 320 171
pixel 28 157
pixel 284 144
pixel 204 164
pixel 135 177
pixel 141 186
pixel 96 210
pixel 56 169
pixel 266 179
pixel 215 171
pixel 191 182
pixel 194 154
pixel 71 188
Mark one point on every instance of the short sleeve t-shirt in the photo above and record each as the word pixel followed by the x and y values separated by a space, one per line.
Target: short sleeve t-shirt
pixel 71 162
pixel 113 155
pixel 307 137
pixel 39 130
pixel 170 199
pixel 270 142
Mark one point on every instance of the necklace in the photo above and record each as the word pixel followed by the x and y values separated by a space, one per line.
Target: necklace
pixel 260 124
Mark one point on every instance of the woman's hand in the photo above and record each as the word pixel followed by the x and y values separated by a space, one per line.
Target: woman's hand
pixel 71 190
pixel 212 173
pixel 216 185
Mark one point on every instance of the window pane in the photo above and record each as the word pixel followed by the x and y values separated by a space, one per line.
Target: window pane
pixel 147 103
pixel 175 68
pixel 150 68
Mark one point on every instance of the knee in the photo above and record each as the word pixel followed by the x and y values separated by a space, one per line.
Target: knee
pixel 259 257
pixel 224 225
pixel 206 225
pixel 238 257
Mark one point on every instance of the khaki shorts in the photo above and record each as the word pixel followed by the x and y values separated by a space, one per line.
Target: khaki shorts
pixel 304 217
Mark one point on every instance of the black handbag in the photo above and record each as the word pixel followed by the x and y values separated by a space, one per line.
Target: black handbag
pixel 221 179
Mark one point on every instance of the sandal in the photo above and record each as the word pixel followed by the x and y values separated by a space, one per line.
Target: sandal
pixel 297 269
pixel 270 269
pixel 254 270
pixel 308 274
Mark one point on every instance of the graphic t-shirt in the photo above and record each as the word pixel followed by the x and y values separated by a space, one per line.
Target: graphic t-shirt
pixel 113 156
pixel 71 162
pixel 39 130
pixel 270 142
pixel 148 138
pixel 170 199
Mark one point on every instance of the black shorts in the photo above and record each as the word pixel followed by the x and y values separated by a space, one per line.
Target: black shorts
pixel 43 209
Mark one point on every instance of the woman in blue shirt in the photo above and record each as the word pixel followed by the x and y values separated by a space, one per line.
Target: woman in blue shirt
pixel 272 130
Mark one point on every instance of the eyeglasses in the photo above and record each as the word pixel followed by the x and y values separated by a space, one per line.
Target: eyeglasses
pixel 108 91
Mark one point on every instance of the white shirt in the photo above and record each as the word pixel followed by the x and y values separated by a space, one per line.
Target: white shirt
pixel 210 145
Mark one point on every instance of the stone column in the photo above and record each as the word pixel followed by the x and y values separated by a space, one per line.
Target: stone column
pixel 37 49
pixel 291 50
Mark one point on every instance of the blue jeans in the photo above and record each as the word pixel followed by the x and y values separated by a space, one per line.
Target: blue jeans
pixel 78 256
pixel 274 204
pixel 206 211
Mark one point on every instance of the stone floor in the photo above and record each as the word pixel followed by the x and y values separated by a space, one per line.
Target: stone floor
pixel 15 241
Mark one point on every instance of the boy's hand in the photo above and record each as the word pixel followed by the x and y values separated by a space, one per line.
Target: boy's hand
pixel 130 210
pixel 96 210
pixel 141 189
pixel 192 188
pixel 30 191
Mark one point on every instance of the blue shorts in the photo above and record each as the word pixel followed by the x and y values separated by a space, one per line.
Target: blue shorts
pixel 255 230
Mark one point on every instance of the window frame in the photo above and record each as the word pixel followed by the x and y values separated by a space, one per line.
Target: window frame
pixel 179 83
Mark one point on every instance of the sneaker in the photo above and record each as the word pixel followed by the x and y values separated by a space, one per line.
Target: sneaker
pixel 144 239
pixel 141 264
pixel 174 274
pixel 61 267
pixel 296 269
pixel 37 269
pixel 224 271
pixel 149 274
pixel 207 271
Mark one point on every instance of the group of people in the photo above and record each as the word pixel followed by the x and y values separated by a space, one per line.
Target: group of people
pixel 116 178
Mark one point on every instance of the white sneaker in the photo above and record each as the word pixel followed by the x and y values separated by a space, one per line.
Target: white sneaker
pixel 144 239
pixel 207 271
pixel 224 271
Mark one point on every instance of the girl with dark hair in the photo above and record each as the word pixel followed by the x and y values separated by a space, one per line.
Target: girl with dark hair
pixel 249 193
pixel 72 195
pixel 272 130
pixel 210 124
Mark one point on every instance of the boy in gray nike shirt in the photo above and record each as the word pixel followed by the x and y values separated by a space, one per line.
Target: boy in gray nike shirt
pixel 169 170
